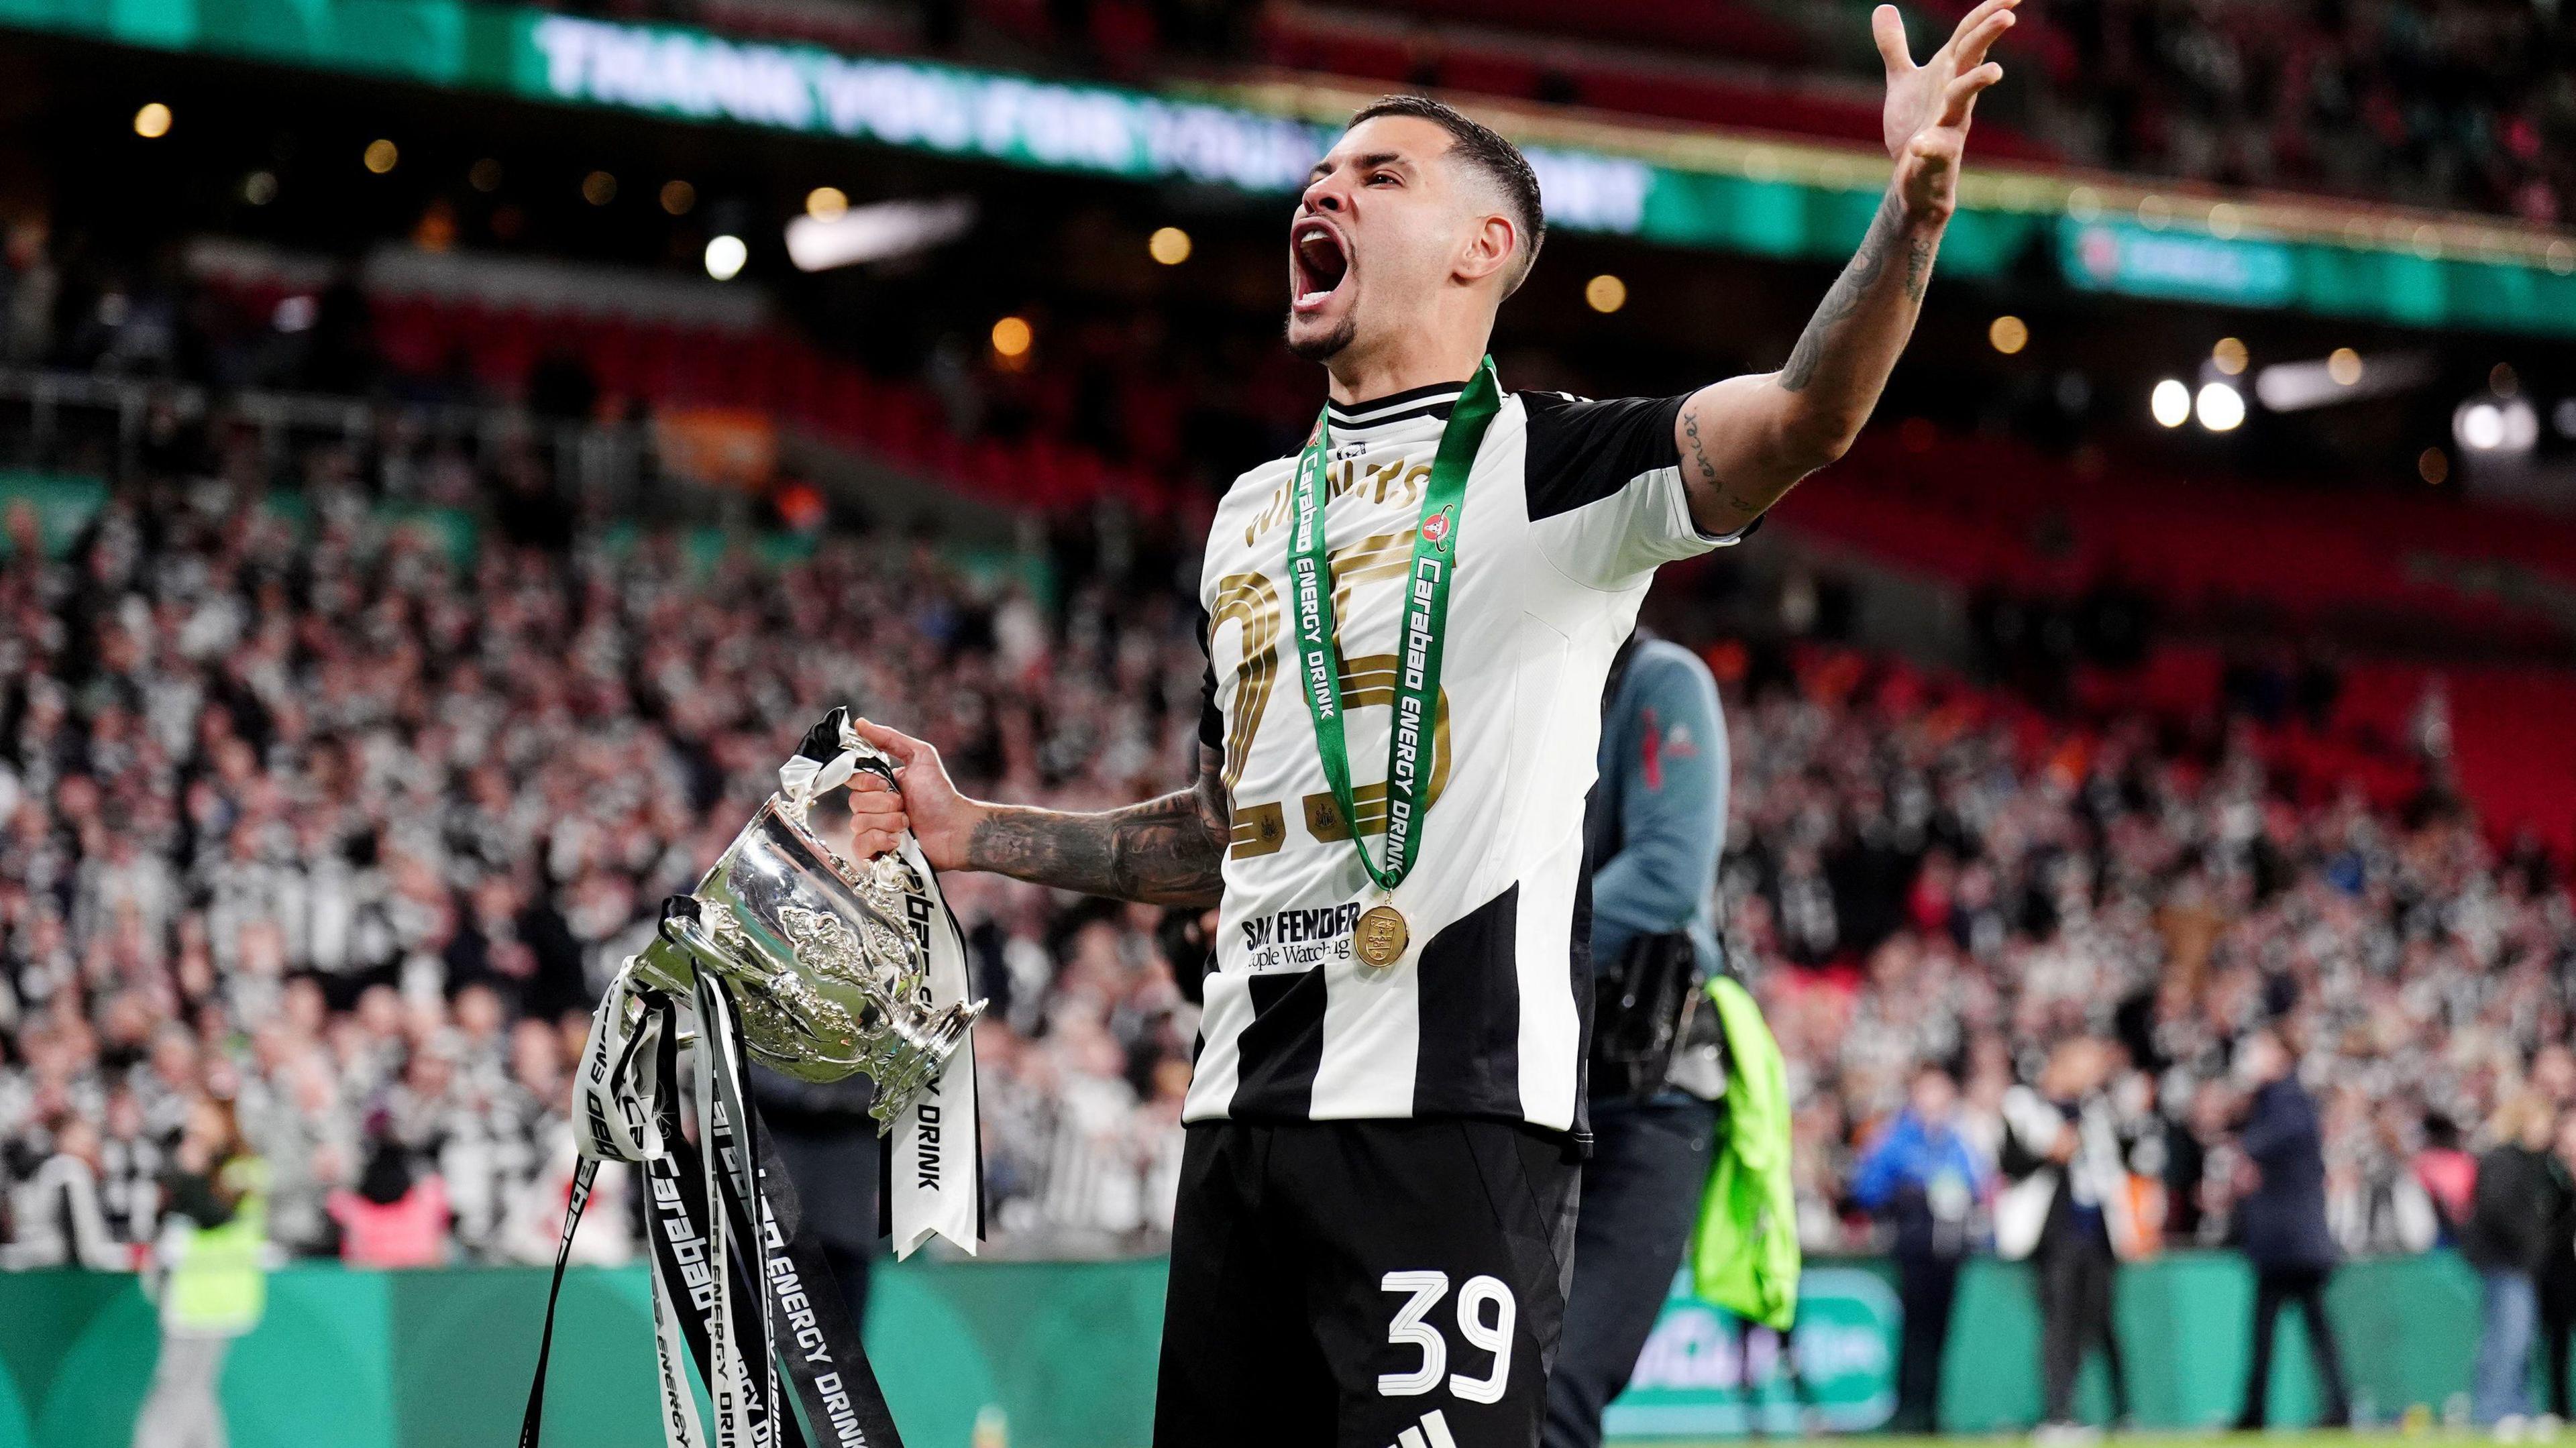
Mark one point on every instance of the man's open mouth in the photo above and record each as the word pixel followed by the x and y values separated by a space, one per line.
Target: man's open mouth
pixel 1319 259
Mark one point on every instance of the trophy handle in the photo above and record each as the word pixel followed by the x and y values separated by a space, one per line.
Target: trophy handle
pixel 684 925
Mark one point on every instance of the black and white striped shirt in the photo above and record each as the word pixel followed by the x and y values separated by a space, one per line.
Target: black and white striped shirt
pixel 1569 509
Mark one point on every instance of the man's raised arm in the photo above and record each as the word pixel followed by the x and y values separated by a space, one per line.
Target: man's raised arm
pixel 1166 851
pixel 1748 440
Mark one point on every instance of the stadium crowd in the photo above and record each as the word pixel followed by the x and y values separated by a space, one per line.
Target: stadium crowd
pixel 302 809
pixel 1921 879
pixel 311 814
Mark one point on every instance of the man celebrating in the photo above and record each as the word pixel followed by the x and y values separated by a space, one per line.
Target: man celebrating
pixel 1409 626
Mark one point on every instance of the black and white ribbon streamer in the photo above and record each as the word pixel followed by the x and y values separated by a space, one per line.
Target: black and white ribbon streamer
pixel 723 1228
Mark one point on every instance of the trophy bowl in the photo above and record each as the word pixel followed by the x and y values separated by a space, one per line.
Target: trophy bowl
pixel 828 961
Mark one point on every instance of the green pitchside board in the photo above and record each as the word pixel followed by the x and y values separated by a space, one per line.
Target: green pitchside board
pixel 1061 1355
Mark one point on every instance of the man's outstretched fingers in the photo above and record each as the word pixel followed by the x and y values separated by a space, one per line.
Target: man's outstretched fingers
pixel 1961 96
pixel 1972 45
pixel 1887 27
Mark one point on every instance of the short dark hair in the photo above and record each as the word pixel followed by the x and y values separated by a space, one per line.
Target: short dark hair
pixel 1479 146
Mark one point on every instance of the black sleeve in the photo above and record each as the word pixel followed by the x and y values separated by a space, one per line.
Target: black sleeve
pixel 1581 451
pixel 1211 719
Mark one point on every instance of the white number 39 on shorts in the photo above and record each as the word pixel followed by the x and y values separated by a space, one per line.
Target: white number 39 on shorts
pixel 1486 1315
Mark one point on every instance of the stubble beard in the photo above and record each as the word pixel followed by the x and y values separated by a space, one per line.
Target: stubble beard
pixel 1326 347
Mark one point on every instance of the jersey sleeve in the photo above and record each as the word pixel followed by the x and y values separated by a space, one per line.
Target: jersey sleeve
pixel 1211 718
pixel 1605 487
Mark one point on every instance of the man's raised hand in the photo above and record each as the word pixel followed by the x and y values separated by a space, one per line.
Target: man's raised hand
pixel 1928 105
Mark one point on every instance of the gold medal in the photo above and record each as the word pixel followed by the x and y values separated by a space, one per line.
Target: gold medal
pixel 1382 935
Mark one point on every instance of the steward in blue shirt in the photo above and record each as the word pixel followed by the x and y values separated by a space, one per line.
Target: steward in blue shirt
pixel 1927 1179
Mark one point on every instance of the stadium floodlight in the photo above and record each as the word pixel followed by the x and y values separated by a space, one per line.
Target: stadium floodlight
pixel 2170 402
pixel 2341 376
pixel 153 121
pixel 2221 407
pixel 876 232
pixel 725 257
pixel 2487 425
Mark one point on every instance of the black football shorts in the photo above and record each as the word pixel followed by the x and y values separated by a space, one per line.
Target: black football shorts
pixel 1365 1284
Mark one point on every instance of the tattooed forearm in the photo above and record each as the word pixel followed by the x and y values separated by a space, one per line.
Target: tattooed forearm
pixel 1167 851
pixel 1824 329
pixel 1918 267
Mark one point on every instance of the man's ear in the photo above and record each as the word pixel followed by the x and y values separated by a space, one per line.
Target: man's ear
pixel 1494 246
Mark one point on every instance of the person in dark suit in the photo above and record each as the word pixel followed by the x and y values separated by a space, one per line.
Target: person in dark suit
pixel 2282 1223
pixel 828 1143
pixel 2557 1276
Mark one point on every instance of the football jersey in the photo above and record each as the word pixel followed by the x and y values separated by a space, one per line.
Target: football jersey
pixel 1569 507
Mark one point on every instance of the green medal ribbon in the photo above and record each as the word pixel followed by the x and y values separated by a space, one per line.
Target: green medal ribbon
pixel 1426 618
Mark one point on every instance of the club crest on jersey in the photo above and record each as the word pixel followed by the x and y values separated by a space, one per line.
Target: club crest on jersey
pixel 1435 529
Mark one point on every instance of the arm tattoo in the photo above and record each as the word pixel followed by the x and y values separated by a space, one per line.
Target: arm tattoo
pixel 1824 328
pixel 1166 851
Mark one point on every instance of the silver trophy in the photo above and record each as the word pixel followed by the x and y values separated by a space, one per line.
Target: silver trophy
pixel 828 961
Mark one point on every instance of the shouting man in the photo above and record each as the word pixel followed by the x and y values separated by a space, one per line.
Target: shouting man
pixel 1409 626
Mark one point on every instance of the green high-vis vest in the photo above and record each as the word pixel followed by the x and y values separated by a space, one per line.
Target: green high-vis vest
pixel 1744 1253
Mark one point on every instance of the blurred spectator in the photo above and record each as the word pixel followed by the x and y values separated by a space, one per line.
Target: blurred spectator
pixel 2281 1224
pixel 2556 1279
pixel 396 1217
pixel 1930 1179
pixel 2069 1179
pixel 57 1210
pixel 2506 1238
pixel 213 1250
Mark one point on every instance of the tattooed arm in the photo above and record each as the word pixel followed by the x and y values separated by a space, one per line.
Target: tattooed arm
pixel 1166 851
pixel 1748 440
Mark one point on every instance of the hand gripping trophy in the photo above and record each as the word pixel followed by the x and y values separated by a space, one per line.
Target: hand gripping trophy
pixel 822 968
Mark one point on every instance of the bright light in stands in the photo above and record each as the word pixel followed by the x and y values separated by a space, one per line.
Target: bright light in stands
pixel 295 314
pixel 2229 356
pixel 2503 381
pixel 678 197
pixel 484 175
pixel 2171 402
pixel 2343 365
pixel 725 256
pixel 2564 415
pixel 1169 245
pixel 2221 407
pixel 2008 334
pixel 259 187
pixel 153 121
pixel 381 156
pixel 599 188
pixel 1605 293
pixel 2433 466
pixel 1011 338
pixel 2484 425
pixel 876 232
pixel 827 203
pixel 2480 426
